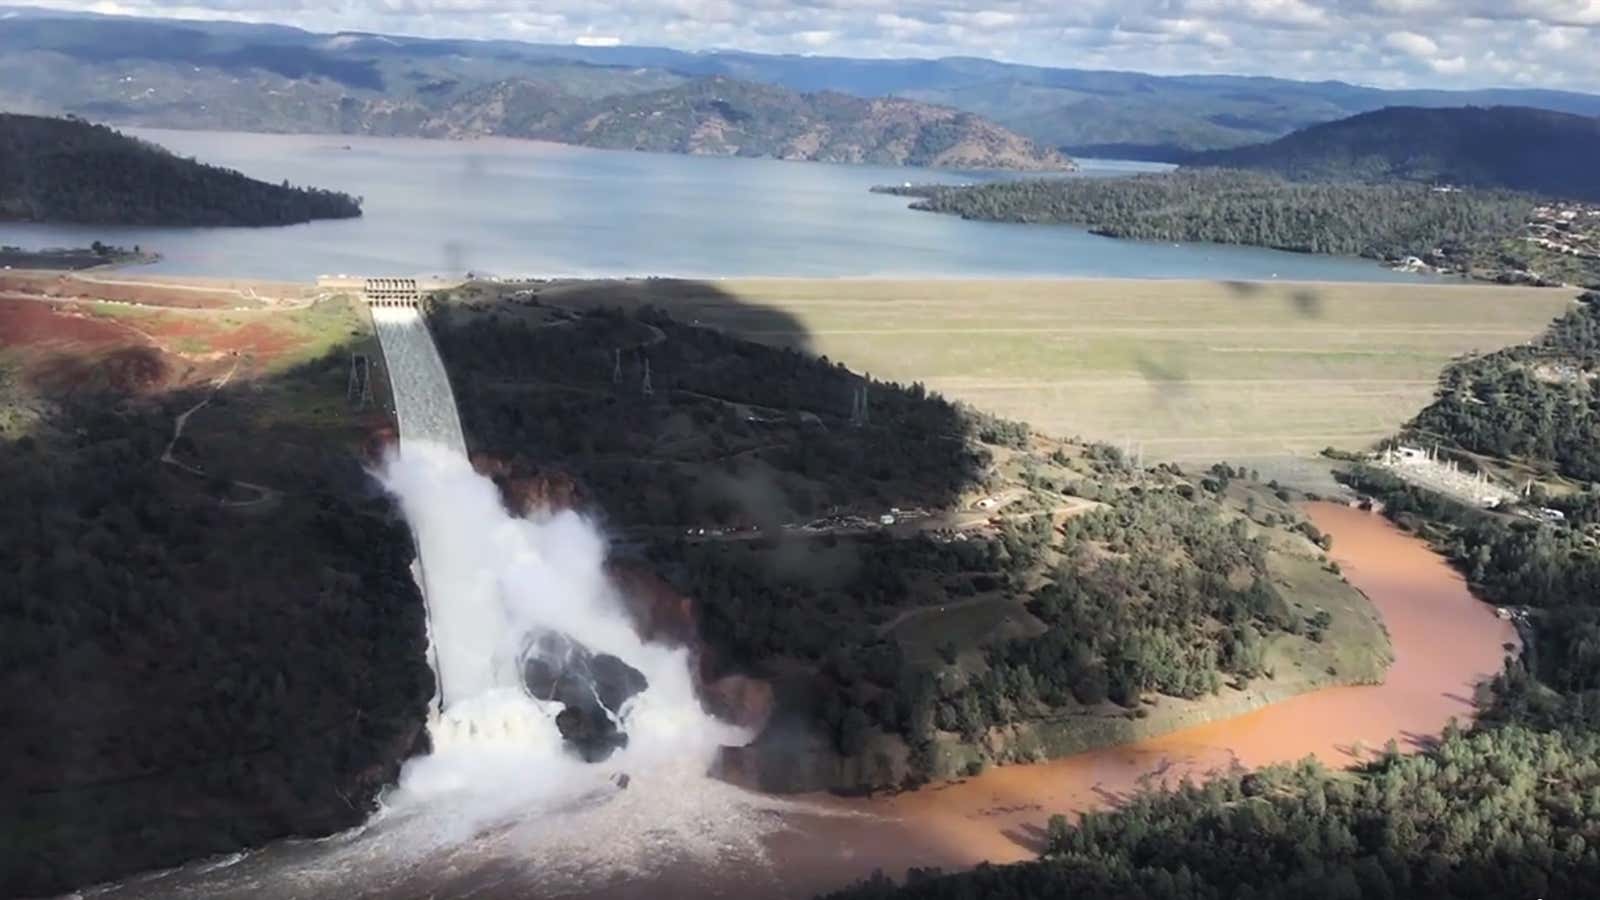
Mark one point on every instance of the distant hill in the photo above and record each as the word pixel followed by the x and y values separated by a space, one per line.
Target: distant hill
pixel 164 72
pixel 66 170
pixel 1511 147
pixel 725 117
pixel 1233 207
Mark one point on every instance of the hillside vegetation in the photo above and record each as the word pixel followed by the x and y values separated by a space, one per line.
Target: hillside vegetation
pixel 1023 597
pixel 65 170
pixel 1501 813
pixel 1231 207
pixel 1506 809
pixel 1537 403
pixel 724 117
pixel 1514 148
pixel 191 666
pixel 1487 234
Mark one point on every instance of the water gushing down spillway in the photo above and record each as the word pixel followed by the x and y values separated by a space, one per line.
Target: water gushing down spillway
pixel 558 732
pixel 569 757
pixel 423 401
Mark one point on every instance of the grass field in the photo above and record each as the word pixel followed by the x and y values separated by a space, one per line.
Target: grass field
pixel 1191 370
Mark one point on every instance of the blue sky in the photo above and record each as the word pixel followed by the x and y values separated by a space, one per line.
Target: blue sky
pixel 1422 43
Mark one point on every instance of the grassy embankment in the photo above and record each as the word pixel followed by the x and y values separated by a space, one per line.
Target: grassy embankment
pixel 1194 371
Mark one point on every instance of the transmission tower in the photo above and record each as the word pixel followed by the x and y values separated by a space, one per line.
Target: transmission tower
pixel 859 413
pixel 358 390
pixel 616 366
pixel 645 387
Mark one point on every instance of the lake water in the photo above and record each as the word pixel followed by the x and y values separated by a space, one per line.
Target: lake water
pixel 526 208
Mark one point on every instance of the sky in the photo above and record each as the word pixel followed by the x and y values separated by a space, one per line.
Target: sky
pixel 1389 43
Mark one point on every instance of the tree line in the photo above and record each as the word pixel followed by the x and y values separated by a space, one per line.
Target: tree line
pixel 183 679
pixel 1538 402
pixel 67 170
pixel 1504 809
pixel 1380 221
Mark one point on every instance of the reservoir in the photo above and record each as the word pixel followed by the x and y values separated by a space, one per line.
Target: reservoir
pixel 1446 642
pixel 505 207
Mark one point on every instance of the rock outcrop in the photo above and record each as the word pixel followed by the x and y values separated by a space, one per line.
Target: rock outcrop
pixel 592 686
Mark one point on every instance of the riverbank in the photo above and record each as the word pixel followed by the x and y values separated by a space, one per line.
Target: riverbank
pixel 1445 641
pixel 1446 644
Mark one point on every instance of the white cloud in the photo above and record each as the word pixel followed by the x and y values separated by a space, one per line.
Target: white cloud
pixel 1561 38
pixel 1412 43
pixel 1429 43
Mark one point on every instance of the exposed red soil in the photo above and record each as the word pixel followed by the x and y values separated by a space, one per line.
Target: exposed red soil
pixel 65 349
pixel 127 370
pixel 28 323
pixel 662 615
pixel 659 613
pixel 526 494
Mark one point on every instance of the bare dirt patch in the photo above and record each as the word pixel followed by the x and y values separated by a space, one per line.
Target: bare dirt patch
pixel 115 287
pixel 27 323
pixel 126 370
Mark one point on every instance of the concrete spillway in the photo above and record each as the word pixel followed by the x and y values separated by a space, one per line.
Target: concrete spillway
pixel 473 635
pixel 423 401
pixel 425 406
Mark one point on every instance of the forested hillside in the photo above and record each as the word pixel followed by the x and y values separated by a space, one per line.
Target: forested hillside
pixel 65 170
pixel 183 677
pixel 1229 207
pixel 722 116
pixel 1500 813
pixel 1507 147
pixel 190 74
pixel 1507 809
pixel 1095 599
pixel 1538 403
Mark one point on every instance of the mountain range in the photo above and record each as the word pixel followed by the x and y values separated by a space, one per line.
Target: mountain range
pixel 1518 148
pixel 265 77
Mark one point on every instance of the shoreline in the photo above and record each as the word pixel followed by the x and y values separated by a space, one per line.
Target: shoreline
pixel 998 816
pixel 571 280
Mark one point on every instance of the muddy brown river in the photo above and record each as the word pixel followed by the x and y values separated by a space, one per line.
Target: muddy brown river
pixel 641 843
pixel 1446 643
